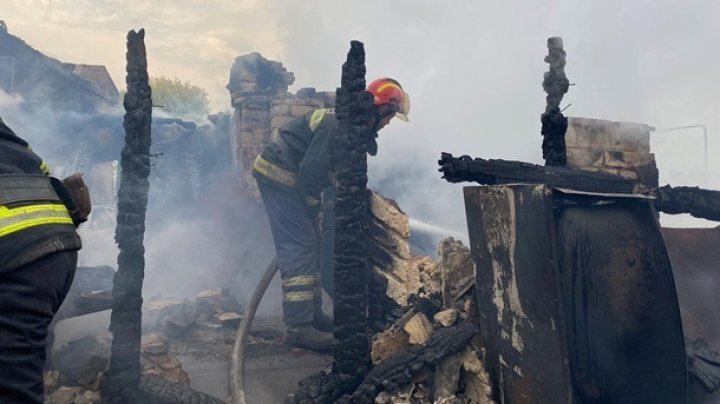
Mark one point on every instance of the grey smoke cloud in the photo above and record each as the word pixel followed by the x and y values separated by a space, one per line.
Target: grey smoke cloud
pixel 473 68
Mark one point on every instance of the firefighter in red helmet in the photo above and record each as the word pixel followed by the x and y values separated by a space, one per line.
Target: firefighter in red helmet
pixel 291 172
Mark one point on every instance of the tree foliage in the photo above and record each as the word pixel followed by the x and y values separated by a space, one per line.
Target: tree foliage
pixel 180 99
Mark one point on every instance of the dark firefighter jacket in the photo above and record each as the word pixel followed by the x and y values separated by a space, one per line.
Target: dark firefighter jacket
pixel 33 220
pixel 299 157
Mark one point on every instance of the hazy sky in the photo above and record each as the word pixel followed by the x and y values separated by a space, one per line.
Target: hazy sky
pixel 474 68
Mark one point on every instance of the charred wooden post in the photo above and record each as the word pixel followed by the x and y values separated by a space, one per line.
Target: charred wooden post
pixel 351 353
pixel 122 382
pixel 554 124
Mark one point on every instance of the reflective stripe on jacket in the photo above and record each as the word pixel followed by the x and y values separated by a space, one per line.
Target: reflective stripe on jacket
pixel 13 220
pixel 280 161
pixel 273 172
pixel 33 220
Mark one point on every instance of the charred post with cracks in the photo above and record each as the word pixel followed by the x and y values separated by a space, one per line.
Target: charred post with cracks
pixel 351 353
pixel 123 377
pixel 554 124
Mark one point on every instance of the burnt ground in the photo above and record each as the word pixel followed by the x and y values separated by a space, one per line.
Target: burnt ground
pixel 272 368
pixel 207 341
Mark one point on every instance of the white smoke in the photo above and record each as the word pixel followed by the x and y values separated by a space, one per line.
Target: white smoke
pixel 9 101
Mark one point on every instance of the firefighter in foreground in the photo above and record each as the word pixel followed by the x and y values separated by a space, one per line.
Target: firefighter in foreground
pixel 38 256
pixel 291 172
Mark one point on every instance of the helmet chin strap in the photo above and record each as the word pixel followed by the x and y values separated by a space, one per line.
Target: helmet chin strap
pixel 375 119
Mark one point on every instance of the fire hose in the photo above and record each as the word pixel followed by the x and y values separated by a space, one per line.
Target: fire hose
pixel 327 235
pixel 237 360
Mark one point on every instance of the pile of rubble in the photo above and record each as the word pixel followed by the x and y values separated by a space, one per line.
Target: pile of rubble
pixel 172 328
pixel 423 317
pixel 433 296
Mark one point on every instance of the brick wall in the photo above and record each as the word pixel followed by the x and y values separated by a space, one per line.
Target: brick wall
pixel 621 148
pixel 258 92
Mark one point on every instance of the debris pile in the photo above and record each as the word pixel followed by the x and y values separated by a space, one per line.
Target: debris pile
pixel 171 328
pixel 434 338
pixel 423 317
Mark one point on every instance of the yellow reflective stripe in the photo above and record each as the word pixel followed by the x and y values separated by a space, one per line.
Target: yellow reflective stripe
pixel 43 167
pixel 274 172
pixel 298 296
pixel 303 280
pixel 388 84
pixel 316 118
pixel 16 219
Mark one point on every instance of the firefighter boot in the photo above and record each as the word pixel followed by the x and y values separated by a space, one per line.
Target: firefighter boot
pixel 306 336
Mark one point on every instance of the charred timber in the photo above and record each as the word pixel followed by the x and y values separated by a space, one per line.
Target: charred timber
pixel 698 202
pixel 351 351
pixel 554 124
pixel 121 384
pixel 400 369
pixel 497 172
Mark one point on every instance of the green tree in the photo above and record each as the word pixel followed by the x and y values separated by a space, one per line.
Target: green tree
pixel 179 99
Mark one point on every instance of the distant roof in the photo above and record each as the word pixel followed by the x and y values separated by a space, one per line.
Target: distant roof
pixel 100 78
pixel 41 80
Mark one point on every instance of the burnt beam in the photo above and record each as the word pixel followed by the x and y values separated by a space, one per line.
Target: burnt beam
pixel 497 172
pixel 123 376
pixel 698 202
pixel 351 347
pixel 554 124
pixel 401 368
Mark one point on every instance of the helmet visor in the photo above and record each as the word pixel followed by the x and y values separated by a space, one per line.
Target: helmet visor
pixel 404 109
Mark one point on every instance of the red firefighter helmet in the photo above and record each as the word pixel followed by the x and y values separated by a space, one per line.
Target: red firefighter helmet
pixel 388 91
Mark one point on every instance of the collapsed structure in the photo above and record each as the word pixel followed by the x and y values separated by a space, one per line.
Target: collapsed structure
pixel 491 322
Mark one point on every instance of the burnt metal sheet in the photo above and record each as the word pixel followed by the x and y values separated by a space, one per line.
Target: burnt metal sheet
pixel 512 239
pixel 568 191
pixel 624 331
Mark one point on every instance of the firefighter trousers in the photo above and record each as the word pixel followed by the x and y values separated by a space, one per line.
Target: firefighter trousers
pixel 29 298
pixel 297 245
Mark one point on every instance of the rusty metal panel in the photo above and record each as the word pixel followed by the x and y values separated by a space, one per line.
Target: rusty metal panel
pixel 624 335
pixel 512 239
